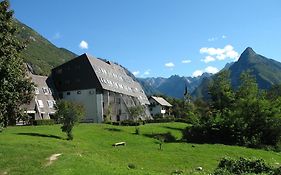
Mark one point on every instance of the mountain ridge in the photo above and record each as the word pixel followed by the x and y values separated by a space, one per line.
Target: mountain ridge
pixel 266 71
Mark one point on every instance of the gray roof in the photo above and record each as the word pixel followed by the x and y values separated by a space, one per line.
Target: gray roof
pixel 41 86
pixel 114 78
pixel 161 101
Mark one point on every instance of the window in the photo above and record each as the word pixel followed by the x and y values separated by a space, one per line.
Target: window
pixel 45 90
pixel 36 90
pixel 78 92
pixel 50 103
pixel 68 93
pixel 50 91
pixel 40 103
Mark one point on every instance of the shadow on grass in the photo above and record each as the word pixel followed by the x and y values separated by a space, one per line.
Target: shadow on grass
pixel 165 137
pixel 173 128
pixel 40 135
pixel 113 129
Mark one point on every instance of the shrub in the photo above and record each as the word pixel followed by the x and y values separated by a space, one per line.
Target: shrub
pixel 69 114
pixel 44 122
pixel 229 166
pixel 137 131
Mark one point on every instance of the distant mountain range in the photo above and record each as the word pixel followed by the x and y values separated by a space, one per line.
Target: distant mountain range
pixel 266 71
pixel 173 86
pixel 40 53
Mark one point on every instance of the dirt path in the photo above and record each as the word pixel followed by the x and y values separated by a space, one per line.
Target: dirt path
pixel 52 158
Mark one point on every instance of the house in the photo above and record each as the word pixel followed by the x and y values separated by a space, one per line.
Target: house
pixel 105 89
pixel 159 106
pixel 42 106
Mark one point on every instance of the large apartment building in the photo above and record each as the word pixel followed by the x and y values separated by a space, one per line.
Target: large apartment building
pixel 104 88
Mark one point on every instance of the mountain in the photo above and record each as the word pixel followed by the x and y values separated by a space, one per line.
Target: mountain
pixel 266 71
pixel 173 86
pixel 40 53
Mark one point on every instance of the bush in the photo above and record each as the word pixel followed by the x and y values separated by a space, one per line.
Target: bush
pixel 44 122
pixel 137 131
pixel 229 166
pixel 130 123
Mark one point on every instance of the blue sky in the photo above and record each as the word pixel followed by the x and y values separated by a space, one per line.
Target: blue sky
pixel 155 38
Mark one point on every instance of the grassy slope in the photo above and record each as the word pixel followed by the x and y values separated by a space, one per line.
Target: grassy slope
pixel 91 152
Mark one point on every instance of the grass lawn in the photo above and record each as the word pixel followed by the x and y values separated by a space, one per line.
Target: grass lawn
pixel 26 149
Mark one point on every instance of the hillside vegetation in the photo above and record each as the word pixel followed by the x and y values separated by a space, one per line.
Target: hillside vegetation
pixel 25 150
pixel 40 53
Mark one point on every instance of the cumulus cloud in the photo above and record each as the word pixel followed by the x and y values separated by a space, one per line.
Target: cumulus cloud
pixel 186 61
pixel 219 53
pixel 197 73
pixel 169 65
pixel 208 59
pixel 209 69
pixel 83 45
pixel 136 73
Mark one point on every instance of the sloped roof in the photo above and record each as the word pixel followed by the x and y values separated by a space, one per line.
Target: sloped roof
pixel 114 78
pixel 161 101
pixel 40 83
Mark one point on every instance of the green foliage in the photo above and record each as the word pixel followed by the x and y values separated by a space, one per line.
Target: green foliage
pixel 228 166
pixel 15 88
pixel 243 117
pixel 69 114
pixel 137 131
pixel 39 47
pixel 136 111
pixel 44 122
pixel 221 92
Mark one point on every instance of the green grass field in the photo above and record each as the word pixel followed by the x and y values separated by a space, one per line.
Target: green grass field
pixel 25 150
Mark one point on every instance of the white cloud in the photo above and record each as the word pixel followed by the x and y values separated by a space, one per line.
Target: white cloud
pixel 197 73
pixel 83 45
pixel 169 65
pixel 208 59
pixel 136 73
pixel 186 61
pixel 219 53
pixel 211 70
pixel 147 72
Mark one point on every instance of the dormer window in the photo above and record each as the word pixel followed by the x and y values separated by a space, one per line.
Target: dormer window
pixel 40 103
pixel 45 90
pixel 36 90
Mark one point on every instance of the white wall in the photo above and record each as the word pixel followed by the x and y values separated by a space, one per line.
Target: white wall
pixel 91 101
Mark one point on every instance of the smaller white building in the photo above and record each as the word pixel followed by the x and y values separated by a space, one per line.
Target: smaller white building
pixel 159 106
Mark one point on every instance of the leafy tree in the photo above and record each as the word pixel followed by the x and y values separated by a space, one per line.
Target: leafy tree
pixel 108 113
pixel 15 88
pixel 221 92
pixel 69 114
pixel 136 111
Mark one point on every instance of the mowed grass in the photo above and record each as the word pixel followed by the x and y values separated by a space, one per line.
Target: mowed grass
pixel 25 150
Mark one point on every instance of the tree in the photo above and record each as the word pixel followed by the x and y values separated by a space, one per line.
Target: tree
pixel 15 87
pixel 136 111
pixel 221 92
pixel 69 114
